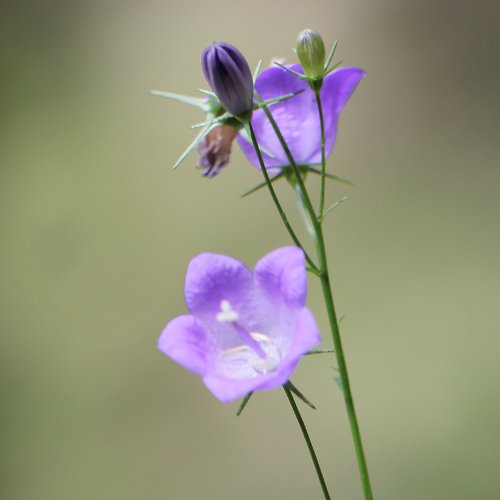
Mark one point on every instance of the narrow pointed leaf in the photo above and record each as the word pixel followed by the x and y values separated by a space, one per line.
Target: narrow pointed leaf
pixel 243 403
pixel 319 351
pixel 329 176
pixel 314 271
pixel 261 185
pixel 335 205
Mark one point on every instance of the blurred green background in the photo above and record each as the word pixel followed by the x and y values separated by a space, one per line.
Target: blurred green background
pixel 96 232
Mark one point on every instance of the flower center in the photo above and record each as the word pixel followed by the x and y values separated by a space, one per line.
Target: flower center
pixel 258 351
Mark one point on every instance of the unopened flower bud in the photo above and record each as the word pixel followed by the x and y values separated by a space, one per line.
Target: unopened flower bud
pixel 228 74
pixel 311 53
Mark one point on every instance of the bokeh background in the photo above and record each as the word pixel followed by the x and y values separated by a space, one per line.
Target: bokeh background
pixel 96 232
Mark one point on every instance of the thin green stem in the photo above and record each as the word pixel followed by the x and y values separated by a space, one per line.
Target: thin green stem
pixel 332 317
pixel 323 159
pixel 281 212
pixel 308 441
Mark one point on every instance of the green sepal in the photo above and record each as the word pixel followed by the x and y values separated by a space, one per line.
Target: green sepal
pixel 294 389
pixel 330 56
pixel 245 135
pixel 274 100
pixel 219 120
pixel 192 101
pixel 257 71
pixel 298 75
pixel 244 402
pixel 334 67
pixel 207 92
pixel 206 130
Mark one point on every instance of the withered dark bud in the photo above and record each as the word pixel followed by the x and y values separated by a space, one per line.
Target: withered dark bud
pixel 215 149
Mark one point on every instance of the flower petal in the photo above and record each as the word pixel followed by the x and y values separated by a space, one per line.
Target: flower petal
pixel 337 89
pixel 227 390
pixel 296 118
pixel 307 336
pixel 186 340
pixel 281 274
pixel 211 278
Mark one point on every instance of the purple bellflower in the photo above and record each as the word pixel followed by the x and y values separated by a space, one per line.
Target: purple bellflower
pixel 298 117
pixel 228 74
pixel 246 331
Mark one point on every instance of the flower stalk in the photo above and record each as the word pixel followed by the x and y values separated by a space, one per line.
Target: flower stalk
pixel 308 441
pixel 321 211
pixel 274 197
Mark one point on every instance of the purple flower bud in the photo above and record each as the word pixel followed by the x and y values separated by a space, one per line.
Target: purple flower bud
pixel 229 75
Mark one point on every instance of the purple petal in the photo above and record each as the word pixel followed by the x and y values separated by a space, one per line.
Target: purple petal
pixel 337 89
pixel 212 278
pixel 294 116
pixel 186 340
pixel 298 117
pixel 281 274
pixel 227 390
pixel 307 336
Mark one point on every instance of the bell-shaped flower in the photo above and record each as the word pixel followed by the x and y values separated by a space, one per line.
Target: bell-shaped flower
pixel 298 117
pixel 247 330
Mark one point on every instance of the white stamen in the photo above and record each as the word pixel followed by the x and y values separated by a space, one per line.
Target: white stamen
pixel 260 365
pixel 227 314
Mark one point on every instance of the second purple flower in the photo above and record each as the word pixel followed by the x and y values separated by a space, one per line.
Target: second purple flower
pixel 298 117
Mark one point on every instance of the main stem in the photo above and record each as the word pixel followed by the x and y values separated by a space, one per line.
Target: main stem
pixel 344 377
pixel 308 441
pixel 329 304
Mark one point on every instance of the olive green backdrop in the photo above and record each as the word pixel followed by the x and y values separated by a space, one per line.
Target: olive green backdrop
pixel 96 232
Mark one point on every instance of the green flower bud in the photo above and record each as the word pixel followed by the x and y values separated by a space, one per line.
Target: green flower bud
pixel 311 53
